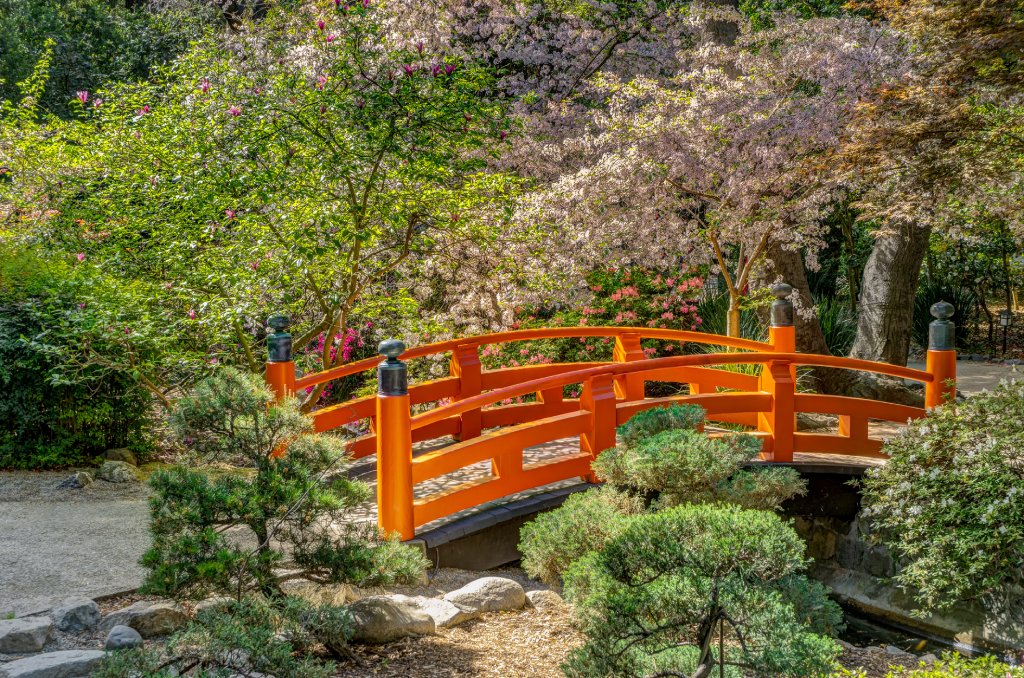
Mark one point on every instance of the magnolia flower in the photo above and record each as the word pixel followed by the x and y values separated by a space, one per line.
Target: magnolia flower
pixel 230 214
pixel 330 38
pixel 408 68
pixel 449 69
pixel 321 80
pixel 82 95
pixel 80 256
pixel 204 85
pixel 191 314
pixel 96 103
pixel 235 111
pixel 320 24
pixel 255 265
pixel 144 110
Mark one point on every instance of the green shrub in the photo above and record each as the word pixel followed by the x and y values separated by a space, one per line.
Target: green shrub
pixel 253 636
pixel 296 503
pixel 950 501
pixel 55 413
pixel 838 324
pixel 662 454
pixel 952 665
pixel 658 594
pixel 584 523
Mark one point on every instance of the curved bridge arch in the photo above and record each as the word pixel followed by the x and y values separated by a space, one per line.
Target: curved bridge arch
pixel 612 392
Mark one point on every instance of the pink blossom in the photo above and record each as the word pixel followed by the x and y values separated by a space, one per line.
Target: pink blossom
pixel 331 38
pixel 97 102
pixel 409 69
pixel 204 85
pixel 230 214
pixel 82 95
pixel 191 314
pixel 235 111
pixel 321 80
pixel 144 110
pixel 80 256
pixel 254 265
pixel 320 24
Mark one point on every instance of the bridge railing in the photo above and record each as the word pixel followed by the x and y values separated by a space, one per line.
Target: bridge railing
pixel 611 393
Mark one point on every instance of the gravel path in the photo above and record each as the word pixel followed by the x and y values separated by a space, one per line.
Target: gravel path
pixel 59 542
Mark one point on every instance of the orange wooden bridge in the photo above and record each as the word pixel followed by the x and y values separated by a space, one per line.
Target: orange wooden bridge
pixel 467 406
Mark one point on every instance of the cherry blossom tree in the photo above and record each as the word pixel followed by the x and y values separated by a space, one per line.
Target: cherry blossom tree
pixel 726 158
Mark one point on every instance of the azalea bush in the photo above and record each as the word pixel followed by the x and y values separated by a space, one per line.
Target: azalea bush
pixel 950 500
pixel 288 492
pixel 55 414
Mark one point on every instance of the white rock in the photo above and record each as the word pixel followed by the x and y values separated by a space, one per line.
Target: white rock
pixel 444 613
pixel 929 658
pixel 544 599
pixel 148 618
pixel 489 594
pixel 382 619
pixel 28 634
pixel 65 664
pixel 117 472
pixel 895 651
pixel 122 638
pixel 76 614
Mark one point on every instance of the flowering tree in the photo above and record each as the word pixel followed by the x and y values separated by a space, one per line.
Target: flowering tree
pixel 309 166
pixel 734 152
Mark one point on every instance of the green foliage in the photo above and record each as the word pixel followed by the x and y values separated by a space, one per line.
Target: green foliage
pixel 55 414
pixel 293 495
pixel 253 636
pixel 951 665
pixel 663 454
pixel 713 310
pixel 586 522
pixel 964 300
pixel 95 43
pixel 308 172
pixel 950 503
pixel 657 596
pixel 838 324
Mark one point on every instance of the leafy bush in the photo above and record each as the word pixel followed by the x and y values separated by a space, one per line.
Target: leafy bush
pixel 294 497
pixel 654 600
pixel 952 665
pixel 55 414
pixel 950 501
pixel 584 523
pixel 661 456
pixel 249 637
pixel 838 324
pixel 97 42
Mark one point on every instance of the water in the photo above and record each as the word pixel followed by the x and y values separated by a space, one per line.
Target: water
pixel 864 631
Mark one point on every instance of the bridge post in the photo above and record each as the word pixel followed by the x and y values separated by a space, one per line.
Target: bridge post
pixel 779 379
pixel 628 349
pixel 280 372
pixel 598 398
pixel 394 443
pixel 465 364
pixel 941 358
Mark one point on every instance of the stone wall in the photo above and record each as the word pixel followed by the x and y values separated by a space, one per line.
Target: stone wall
pixel 859 573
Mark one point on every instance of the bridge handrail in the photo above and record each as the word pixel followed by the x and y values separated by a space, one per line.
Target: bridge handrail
pixel 538 333
pixel 704 359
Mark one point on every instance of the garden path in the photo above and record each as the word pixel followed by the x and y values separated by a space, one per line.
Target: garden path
pixel 55 543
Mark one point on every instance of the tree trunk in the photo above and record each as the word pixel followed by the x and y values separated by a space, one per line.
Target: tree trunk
pixel 887 294
pixel 789 266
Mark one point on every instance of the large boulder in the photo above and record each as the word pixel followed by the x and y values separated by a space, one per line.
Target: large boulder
pixel 75 615
pixel 148 618
pixel 444 613
pixel 76 481
pixel 120 454
pixel 489 594
pixel 65 664
pixel 122 638
pixel 544 599
pixel 117 472
pixel 28 634
pixel 383 619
